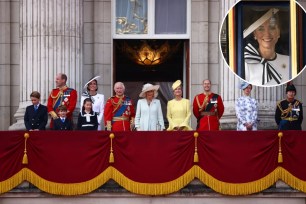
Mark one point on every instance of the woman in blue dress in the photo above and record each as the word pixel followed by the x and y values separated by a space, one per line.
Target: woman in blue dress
pixel 246 109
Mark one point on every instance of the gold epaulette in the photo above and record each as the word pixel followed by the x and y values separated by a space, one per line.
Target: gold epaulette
pixel 279 105
pixel 57 95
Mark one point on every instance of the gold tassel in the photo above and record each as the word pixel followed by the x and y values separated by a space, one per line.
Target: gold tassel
pixel 111 156
pixel 25 159
pixel 196 156
pixel 25 156
pixel 280 155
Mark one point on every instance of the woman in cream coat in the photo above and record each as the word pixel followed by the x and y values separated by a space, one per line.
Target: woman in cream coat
pixel 149 116
pixel 178 109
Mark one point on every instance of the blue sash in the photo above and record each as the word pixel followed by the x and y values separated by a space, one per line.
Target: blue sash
pixel 122 108
pixel 60 99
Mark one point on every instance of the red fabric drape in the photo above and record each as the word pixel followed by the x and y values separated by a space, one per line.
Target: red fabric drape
pixel 152 158
pixel 68 157
pixel 11 153
pixel 238 157
pixel 293 150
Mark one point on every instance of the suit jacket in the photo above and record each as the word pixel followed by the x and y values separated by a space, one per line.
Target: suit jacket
pixel 59 125
pixel 36 119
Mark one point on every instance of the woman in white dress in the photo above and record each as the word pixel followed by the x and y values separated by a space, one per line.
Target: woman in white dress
pixel 97 99
pixel 246 109
pixel 263 66
pixel 149 116
pixel 178 109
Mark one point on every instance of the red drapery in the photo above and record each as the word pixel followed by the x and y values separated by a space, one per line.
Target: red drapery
pixel 152 163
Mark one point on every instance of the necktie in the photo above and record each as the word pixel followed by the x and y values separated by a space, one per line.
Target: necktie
pixel 35 107
pixel 63 120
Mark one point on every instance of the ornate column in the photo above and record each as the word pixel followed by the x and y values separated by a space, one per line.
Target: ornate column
pixel 50 43
pixel 229 83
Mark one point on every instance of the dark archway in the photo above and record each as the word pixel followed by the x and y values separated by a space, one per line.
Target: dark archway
pixel 134 75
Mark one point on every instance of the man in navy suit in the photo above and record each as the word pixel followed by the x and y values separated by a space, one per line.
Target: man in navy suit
pixel 36 115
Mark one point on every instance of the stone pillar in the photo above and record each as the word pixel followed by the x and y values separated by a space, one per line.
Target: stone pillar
pixel 266 97
pixel 50 43
pixel 198 48
pixel 5 57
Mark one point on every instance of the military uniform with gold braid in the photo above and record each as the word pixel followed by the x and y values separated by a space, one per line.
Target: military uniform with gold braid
pixel 61 96
pixel 289 115
pixel 208 109
pixel 119 113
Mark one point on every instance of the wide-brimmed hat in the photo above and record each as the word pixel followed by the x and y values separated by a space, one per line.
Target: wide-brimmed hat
pixel 149 87
pixel 259 21
pixel 244 84
pixel 176 84
pixel 95 78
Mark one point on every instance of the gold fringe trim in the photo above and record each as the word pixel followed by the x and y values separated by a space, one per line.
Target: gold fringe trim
pixel 70 189
pixel 291 180
pixel 153 188
pixel 12 182
pixel 239 188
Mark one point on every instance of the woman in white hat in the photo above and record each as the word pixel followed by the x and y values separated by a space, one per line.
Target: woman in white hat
pixel 149 116
pixel 97 99
pixel 246 109
pixel 263 66
pixel 178 109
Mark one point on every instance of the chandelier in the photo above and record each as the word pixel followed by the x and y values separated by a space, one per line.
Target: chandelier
pixel 149 52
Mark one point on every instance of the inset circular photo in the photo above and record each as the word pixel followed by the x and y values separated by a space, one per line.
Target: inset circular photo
pixel 264 42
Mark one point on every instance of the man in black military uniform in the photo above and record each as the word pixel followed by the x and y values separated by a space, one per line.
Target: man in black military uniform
pixel 289 112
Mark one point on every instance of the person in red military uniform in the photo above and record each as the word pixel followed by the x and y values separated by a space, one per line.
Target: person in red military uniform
pixel 119 111
pixel 62 95
pixel 208 108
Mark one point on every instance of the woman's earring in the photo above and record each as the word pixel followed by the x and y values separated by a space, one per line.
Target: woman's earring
pixel 255 38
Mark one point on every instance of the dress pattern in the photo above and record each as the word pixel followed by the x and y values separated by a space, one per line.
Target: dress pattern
pixel 246 112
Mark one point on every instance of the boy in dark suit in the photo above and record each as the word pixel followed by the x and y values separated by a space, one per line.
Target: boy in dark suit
pixel 36 115
pixel 62 123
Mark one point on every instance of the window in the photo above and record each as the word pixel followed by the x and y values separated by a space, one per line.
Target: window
pixel 151 19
